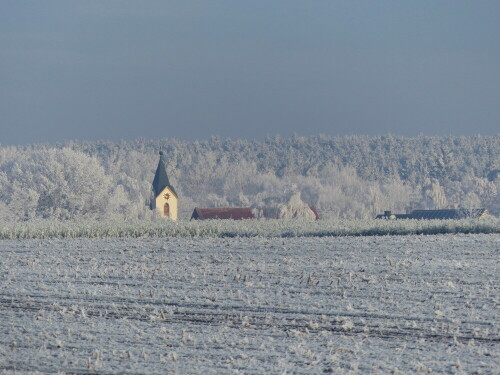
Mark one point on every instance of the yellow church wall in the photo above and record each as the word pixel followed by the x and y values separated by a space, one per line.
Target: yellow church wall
pixel 167 196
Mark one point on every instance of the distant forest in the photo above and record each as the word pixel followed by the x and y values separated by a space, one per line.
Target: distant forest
pixel 344 177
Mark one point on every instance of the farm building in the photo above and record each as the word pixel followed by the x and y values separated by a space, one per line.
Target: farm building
pixel 229 213
pixel 241 213
pixel 272 208
pixel 449 214
pixel 163 199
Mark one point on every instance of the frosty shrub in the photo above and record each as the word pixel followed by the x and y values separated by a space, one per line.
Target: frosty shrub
pixel 244 228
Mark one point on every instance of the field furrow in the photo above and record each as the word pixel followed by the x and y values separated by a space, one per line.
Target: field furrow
pixel 413 304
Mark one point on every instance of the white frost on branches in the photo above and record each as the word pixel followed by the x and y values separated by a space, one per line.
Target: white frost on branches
pixel 293 208
pixel 353 177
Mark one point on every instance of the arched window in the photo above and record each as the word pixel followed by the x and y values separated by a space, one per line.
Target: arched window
pixel 166 210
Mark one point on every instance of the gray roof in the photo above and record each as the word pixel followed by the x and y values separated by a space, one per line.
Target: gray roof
pixel 460 213
pixel 161 181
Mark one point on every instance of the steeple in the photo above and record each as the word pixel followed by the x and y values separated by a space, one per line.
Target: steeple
pixel 163 199
pixel 161 181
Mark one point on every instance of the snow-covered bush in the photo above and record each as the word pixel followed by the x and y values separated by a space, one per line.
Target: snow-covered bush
pixel 242 228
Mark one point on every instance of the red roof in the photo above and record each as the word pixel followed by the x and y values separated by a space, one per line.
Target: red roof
pixel 229 213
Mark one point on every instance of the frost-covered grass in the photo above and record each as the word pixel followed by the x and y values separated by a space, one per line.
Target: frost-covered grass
pixel 244 228
pixel 309 305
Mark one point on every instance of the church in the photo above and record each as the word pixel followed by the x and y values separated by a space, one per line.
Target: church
pixel 163 199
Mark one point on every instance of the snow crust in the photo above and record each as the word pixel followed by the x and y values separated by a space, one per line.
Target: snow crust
pixel 309 305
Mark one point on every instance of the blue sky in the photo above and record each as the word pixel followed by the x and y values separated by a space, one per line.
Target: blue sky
pixel 122 69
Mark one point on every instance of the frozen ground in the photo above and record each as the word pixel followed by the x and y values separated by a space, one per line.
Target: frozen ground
pixel 385 304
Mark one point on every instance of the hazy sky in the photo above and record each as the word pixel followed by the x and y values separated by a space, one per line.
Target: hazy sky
pixel 122 69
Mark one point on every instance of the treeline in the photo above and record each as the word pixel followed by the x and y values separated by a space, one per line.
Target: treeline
pixel 344 177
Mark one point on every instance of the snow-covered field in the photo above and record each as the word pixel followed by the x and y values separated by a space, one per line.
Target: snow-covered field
pixel 384 304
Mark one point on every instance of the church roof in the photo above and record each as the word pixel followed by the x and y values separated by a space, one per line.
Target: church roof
pixel 161 181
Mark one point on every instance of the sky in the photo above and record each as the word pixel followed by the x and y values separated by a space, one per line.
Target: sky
pixel 122 69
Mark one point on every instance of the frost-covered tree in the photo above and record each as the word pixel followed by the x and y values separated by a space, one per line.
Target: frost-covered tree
pixel 55 183
pixel 353 176
pixel 433 196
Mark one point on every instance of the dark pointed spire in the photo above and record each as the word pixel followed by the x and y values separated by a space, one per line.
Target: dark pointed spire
pixel 161 181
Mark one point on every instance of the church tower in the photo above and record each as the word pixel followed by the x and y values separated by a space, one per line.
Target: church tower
pixel 163 196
